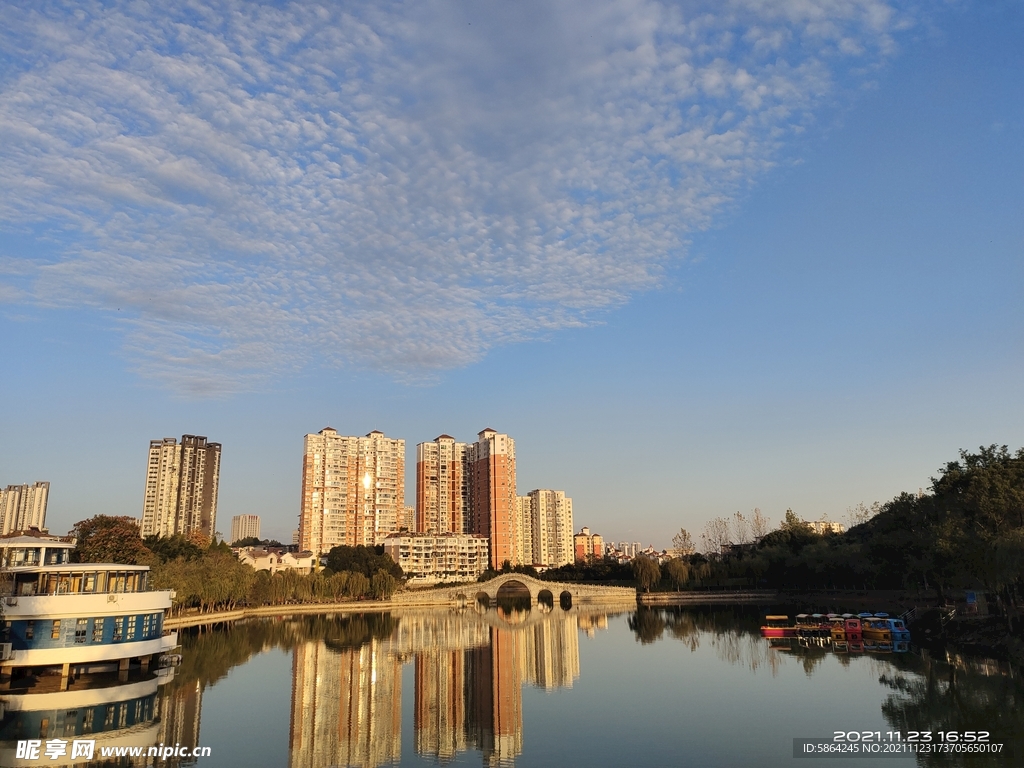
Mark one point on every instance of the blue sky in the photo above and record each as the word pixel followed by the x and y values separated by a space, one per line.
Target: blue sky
pixel 694 257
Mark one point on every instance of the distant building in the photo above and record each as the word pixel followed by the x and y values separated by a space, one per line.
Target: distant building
pixel 524 528
pixel 181 487
pixel 245 527
pixel 276 559
pixel 587 545
pixel 23 507
pixel 826 526
pixel 442 557
pixel 353 489
pixel 551 528
pixel 408 521
pixel 295 538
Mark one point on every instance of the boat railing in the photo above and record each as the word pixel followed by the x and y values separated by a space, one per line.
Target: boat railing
pixel 909 616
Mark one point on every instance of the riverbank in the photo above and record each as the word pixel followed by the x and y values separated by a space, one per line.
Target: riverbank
pixel 717 597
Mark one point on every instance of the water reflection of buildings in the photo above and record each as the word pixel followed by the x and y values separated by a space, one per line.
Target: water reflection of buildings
pixel 471 698
pixel 346 705
pixel 469 673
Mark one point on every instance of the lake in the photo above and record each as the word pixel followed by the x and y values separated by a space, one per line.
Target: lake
pixel 540 687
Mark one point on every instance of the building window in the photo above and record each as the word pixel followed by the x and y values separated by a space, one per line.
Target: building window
pixel 130 634
pixel 97 630
pixel 55 630
pixel 30 629
pixel 81 626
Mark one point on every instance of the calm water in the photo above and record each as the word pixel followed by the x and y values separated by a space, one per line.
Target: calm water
pixel 584 687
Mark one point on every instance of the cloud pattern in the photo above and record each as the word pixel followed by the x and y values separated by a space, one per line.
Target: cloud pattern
pixel 393 186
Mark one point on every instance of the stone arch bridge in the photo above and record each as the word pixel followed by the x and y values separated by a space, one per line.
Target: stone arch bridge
pixel 559 592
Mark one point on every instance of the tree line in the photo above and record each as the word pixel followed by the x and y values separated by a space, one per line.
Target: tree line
pixel 966 532
pixel 207 576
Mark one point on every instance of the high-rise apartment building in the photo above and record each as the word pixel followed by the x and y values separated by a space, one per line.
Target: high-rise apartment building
pixel 494 507
pixel 442 486
pixel 524 524
pixel 353 489
pixel 181 487
pixel 244 527
pixel 23 507
pixel 551 518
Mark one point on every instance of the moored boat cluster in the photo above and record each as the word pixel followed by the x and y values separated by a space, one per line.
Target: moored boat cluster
pixel 846 632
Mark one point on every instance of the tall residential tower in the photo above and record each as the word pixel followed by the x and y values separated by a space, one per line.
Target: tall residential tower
pixel 353 489
pixel 494 507
pixel 23 507
pixel 442 486
pixel 181 487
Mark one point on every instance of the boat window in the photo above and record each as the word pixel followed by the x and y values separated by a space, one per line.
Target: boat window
pixel 76 582
pixel 55 630
pixel 97 630
pixel 90 583
pixel 101 581
pixel 81 626
pixel 130 634
pixel 30 629
pixel 118 628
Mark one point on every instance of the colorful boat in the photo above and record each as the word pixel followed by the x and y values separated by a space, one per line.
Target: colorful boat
pixel 877 630
pixel 777 626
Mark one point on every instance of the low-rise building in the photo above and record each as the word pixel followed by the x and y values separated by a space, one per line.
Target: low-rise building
pixel 276 559
pixel 429 558
pixel 587 545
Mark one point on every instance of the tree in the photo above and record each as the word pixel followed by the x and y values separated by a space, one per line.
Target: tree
pixel 364 560
pixel 678 572
pixel 715 536
pixel 759 525
pixel 861 513
pixel 248 541
pixel 382 585
pixel 109 539
pixel 172 547
pixel 740 529
pixel 646 572
pixel 682 543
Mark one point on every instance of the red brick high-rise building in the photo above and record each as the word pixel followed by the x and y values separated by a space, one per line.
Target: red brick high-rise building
pixel 442 486
pixel 494 507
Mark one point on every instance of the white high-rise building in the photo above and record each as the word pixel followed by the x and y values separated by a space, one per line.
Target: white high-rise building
pixel 353 490
pixel 23 507
pixel 551 518
pixel 245 527
pixel 524 523
pixel 181 487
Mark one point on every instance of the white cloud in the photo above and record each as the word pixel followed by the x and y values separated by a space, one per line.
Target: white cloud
pixel 398 186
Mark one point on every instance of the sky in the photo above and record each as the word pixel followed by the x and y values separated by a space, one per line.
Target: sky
pixel 695 257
